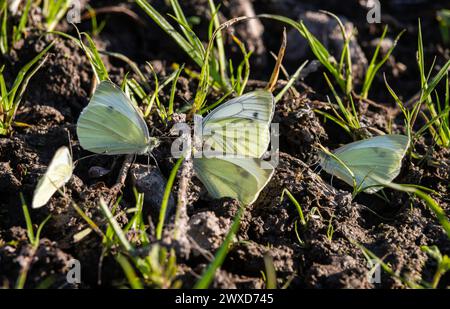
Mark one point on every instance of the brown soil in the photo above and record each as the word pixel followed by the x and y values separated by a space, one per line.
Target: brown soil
pixel 393 230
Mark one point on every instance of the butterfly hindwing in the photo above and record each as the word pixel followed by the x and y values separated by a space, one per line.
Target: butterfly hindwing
pixel 239 178
pixel 111 124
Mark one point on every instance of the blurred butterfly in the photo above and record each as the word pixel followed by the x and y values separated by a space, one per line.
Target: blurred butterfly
pixel 112 124
pixel 369 160
pixel 57 175
pixel 237 135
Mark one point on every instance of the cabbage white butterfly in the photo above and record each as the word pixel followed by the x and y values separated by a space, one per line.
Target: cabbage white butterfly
pixel 375 158
pixel 240 174
pixel 112 124
pixel 58 173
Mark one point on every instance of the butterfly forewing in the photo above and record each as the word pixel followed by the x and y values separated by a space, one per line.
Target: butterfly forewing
pixel 394 142
pixel 240 127
pixel 111 124
pixel 256 105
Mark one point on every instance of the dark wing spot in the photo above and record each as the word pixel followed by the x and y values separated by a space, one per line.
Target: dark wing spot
pixel 380 153
pixel 110 108
pixel 255 115
pixel 243 173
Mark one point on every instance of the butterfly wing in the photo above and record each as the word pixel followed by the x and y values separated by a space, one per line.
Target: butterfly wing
pixel 112 124
pixel 58 173
pixel 239 178
pixel 393 142
pixel 376 158
pixel 241 125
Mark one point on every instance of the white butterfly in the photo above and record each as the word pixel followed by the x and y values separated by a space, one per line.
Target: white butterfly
pixel 58 173
pixel 239 174
pixel 112 124
pixel 369 160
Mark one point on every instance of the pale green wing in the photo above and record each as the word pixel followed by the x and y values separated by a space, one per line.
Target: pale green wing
pixel 379 157
pixel 241 179
pixel 241 125
pixel 111 124
pixel 394 142
pixel 58 173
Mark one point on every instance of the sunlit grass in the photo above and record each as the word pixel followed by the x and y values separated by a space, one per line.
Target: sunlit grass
pixel 54 10
pixel 221 72
pixel 33 239
pixel 10 98
pixel 437 109
pixel 10 36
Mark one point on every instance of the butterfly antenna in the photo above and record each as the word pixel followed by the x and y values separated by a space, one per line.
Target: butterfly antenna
pixel 70 144
pixel 86 157
pixel 316 168
pixel 154 159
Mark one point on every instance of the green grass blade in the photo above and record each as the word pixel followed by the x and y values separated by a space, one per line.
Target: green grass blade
pixel 296 204
pixel 271 275
pixel 369 254
pixel 187 31
pixel 431 203
pixel 39 230
pixel 172 92
pixel 170 30
pixel 241 82
pixel 4 48
pixel 129 272
pixel 22 75
pixel 374 67
pixel 28 222
pixel 166 196
pixel 220 46
pixel 435 81
pixel 115 226
pixel 291 81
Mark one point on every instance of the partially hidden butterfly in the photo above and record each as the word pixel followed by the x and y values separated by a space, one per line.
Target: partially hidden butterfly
pixel 369 160
pixel 57 175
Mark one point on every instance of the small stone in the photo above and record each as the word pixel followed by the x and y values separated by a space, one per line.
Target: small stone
pixel 150 181
pixel 98 171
